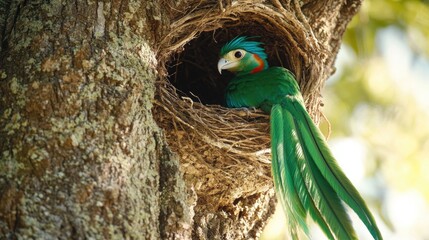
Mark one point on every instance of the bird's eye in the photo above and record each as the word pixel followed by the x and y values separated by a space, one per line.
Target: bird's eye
pixel 238 54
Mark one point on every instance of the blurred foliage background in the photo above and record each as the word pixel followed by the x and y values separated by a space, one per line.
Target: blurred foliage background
pixel 378 106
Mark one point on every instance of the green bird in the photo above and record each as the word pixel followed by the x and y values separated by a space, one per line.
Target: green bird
pixel 307 178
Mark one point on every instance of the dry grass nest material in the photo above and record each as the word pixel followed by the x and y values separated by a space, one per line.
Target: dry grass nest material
pixel 220 147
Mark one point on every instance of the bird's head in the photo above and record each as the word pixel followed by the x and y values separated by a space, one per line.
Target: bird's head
pixel 242 57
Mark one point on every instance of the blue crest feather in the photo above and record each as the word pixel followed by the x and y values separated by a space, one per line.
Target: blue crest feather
pixel 241 42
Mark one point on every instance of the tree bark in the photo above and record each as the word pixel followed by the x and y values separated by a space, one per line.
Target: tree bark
pixel 81 153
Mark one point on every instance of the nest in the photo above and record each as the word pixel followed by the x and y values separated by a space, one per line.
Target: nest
pixel 225 152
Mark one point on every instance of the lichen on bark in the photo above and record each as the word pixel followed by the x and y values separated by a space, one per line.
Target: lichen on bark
pixel 79 155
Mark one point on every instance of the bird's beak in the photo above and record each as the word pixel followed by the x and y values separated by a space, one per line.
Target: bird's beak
pixel 221 64
pixel 225 64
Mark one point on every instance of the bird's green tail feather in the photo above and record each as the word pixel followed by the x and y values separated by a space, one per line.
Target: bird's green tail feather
pixel 293 159
pixel 326 163
pixel 307 177
pixel 283 175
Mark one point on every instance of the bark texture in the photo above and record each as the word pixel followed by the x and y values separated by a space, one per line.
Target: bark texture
pixel 81 154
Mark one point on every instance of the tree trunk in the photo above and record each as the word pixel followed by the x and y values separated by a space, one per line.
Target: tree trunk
pixel 83 152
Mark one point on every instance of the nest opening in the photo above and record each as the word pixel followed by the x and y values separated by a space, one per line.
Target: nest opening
pixel 193 71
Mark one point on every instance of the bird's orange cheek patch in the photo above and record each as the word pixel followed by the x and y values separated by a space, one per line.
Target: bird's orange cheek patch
pixel 260 66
